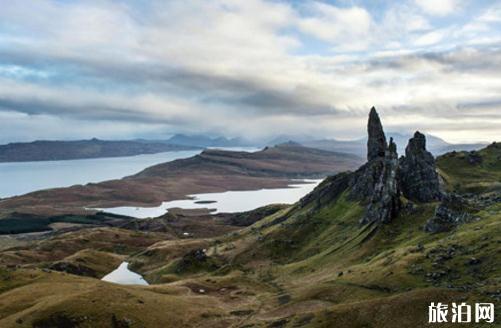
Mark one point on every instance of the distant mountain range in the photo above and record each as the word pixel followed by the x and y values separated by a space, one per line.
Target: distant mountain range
pixel 79 149
pixel 435 145
pixel 45 150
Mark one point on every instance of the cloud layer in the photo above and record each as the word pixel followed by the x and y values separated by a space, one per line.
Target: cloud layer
pixel 254 68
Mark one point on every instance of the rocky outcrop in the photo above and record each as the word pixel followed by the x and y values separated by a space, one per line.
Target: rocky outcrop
pixel 73 268
pixel 385 202
pixel 418 177
pixel 331 188
pixel 380 182
pixel 474 158
pixel 451 212
pixel 192 260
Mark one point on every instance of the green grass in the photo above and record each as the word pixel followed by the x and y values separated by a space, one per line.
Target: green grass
pixel 463 176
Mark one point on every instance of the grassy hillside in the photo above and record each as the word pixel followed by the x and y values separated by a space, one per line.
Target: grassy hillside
pixel 478 171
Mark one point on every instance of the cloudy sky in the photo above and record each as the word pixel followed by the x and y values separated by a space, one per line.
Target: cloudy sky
pixel 253 68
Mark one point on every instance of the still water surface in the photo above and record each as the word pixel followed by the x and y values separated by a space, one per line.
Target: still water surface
pixel 224 202
pixel 122 275
pixel 21 178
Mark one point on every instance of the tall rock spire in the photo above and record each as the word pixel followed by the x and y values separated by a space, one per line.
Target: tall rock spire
pixel 376 144
pixel 375 183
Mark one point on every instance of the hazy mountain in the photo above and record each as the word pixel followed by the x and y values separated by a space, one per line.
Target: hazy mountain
pixel 284 138
pixel 204 141
pixel 436 145
pixel 43 150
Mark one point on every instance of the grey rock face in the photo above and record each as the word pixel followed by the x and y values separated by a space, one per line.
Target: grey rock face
pixel 376 144
pixel 364 180
pixel 385 203
pixel 449 214
pixel 418 177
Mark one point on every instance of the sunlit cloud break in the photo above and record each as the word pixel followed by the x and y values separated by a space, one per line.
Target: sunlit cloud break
pixel 253 69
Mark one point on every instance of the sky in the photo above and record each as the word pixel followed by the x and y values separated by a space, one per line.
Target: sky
pixel 249 68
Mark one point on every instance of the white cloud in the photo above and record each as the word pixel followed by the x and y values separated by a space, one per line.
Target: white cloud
pixel 491 15
pixel 345 28
pixel 438 7
pixel 431 38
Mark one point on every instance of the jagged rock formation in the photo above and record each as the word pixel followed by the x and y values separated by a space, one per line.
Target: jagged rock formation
pixel 418 177
pixel 380 181
pixel 385 203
